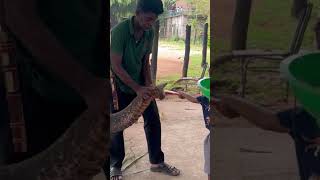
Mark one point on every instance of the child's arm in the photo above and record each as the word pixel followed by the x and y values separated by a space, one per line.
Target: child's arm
pixel 232 106
pixel 190 98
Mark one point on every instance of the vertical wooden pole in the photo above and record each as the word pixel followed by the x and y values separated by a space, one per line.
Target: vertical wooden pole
pixel 239 35
pixel 204 45
pixel 187 52
pixel 240 24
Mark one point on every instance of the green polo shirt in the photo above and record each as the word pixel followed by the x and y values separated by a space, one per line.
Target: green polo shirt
pixel 76 24
pixel 124 43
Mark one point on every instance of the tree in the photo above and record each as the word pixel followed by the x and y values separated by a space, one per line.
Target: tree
pixel 168 4
pixel 120 9
pixel 199 8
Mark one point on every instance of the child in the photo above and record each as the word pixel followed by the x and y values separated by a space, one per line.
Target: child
pixel 204 101
pixel 297 122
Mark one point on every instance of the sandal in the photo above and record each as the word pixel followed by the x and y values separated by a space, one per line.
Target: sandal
pixel 115 173
pixel 166 169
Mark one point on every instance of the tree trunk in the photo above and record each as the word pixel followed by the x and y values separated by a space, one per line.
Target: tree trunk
pixel 187 52
pixel 154 60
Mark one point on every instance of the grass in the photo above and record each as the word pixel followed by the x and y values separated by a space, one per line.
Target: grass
pixel 180 45
pixel 271 27
pixel 275 30
pixel 194 68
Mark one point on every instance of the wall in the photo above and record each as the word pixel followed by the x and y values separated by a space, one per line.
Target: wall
pixel 174 26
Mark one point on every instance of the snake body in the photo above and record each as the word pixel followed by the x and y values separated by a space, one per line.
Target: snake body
pixel 80 153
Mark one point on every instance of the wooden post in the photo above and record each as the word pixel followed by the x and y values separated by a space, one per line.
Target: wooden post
pixel 154 60
pixel 204 45
pixel 240 24
pixel 297 7
pixel 187 52
pixel 317 32
pixel 239 35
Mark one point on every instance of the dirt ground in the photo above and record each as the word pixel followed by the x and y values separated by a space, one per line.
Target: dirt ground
pixel 170 61
pixel 183 132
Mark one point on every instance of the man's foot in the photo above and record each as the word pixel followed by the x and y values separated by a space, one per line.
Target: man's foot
pixel 115 174
pixel 165 168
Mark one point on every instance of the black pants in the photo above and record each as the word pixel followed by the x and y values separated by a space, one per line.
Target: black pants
pixel 45 123
pixel 152 128
pixel 308 163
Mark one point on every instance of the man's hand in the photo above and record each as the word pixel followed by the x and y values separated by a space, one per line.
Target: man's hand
pixel 144 91
pixel 209 121
pixel 222 106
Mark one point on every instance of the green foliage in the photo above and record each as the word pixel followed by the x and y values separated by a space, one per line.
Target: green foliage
pixel 120 9
pixel 200 8
pixel 168 3
pixel 175 38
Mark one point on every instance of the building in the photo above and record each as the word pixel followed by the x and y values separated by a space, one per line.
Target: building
pixel 174 24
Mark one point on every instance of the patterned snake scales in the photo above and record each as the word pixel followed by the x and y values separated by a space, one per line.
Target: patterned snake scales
pixel 81 151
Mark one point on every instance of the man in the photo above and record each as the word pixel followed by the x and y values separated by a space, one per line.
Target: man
pixel 60 51
pixel 131 45
pixel 297 122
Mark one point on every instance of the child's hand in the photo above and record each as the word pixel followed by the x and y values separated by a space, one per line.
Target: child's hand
pixel 181 95
pixel 222 106
pixel 208 121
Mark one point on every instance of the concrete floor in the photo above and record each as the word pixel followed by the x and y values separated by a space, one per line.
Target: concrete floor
pixel 276 162
pixel 183 132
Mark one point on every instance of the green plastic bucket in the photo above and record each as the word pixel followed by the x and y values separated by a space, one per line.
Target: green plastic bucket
pixel 204 85
pixel 303 74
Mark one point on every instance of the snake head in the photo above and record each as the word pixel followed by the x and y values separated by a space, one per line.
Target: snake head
pixel 159 91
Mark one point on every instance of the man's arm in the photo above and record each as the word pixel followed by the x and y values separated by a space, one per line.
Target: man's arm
pixel 25 24
pixel 188 97
pixel 255 114
pixel 116 65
